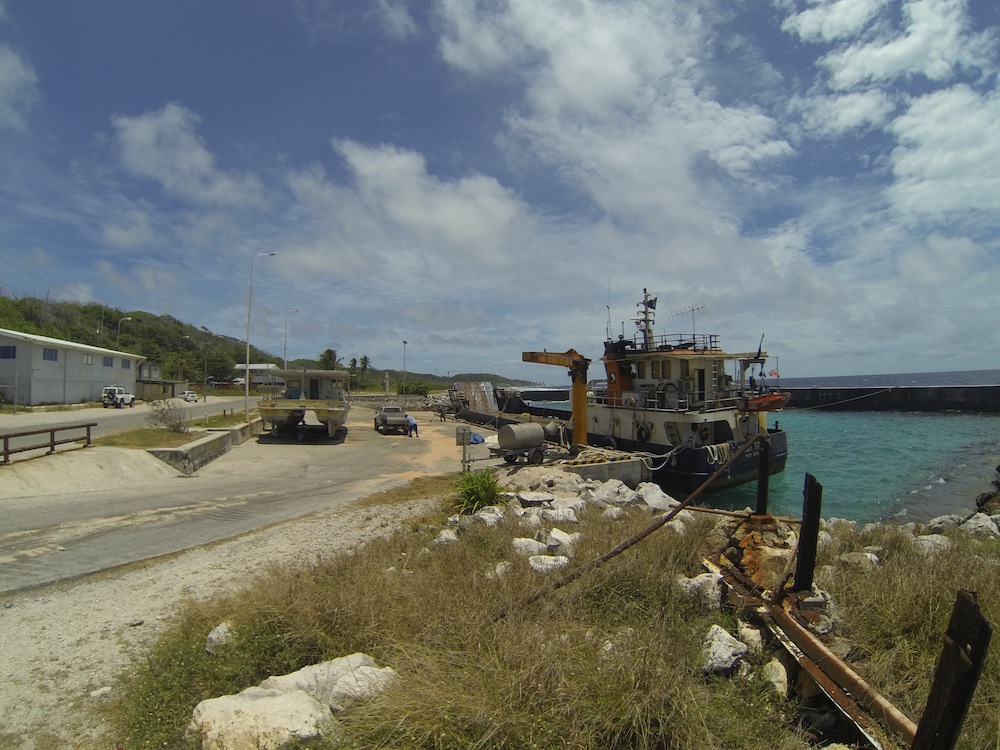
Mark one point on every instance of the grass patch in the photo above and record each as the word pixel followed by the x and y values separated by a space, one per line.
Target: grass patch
pixel 610 661
pixel 142 438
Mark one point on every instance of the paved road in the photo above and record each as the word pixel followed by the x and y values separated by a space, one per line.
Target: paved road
pixel 54 537
pixel 109 421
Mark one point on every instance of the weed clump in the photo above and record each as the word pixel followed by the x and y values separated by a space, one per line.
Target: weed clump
pixel 476 489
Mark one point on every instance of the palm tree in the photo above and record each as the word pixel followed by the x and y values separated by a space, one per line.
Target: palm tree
pixel 364 364
pixel 328 359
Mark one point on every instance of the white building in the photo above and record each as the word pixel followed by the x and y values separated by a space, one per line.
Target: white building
pixel 259 374
pixel 38 370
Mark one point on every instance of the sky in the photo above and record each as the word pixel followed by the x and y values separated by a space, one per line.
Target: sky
pixel 479 178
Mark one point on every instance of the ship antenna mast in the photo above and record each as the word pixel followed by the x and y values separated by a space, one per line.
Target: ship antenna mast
pixel 644 321
pixel 692 311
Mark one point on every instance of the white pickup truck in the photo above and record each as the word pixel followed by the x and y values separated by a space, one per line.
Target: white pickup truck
pixel 390 418
pixel 116 396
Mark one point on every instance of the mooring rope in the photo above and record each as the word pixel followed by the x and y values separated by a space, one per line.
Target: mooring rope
pixel 856 398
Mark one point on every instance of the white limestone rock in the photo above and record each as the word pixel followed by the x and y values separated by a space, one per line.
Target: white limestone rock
pixel 527 547
pixel 613 513
pixel 535 499
pixel 862 560
pixel 447 536
pixel 491 515
pixel 219 639
pixel 931 544
pixel 561 541
pixel 721 652
pixel 559 515
pixel 944 523
pixel 612 492
pixel 777 675
pixel 576 504
pixel 707 587
pixel 547 563
pixel 980 525
pixel 338 683
pixel 653 495
pixel 260 719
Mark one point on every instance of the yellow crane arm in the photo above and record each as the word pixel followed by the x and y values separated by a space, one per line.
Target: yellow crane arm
pixel 577 365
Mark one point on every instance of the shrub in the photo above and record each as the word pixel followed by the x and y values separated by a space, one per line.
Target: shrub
pixel 476 489
pixel 167 413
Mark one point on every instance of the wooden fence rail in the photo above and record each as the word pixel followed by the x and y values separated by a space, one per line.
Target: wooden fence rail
pixel 51 443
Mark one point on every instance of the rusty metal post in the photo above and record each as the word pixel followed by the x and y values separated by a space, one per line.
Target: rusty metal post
pixel 763 476
pixel 88 437
pixel 52 442
pixel 965 645
pixel 812 503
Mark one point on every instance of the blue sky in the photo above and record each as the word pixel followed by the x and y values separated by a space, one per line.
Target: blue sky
pixel 485 178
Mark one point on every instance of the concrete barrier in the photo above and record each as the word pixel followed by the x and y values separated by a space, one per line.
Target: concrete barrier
pixel 631 471
pixel 192 456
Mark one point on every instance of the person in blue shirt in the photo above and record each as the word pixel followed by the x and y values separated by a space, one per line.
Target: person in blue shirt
pixel 411 427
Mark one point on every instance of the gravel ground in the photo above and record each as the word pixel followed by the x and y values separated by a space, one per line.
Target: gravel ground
pixel 64 647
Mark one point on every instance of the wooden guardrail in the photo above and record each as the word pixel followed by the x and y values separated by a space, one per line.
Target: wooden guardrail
pixel 51 443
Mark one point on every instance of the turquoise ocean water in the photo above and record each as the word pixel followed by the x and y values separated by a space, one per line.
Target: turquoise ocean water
pixel 883 466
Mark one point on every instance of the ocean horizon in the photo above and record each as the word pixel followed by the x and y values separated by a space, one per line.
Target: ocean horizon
pixel 881 466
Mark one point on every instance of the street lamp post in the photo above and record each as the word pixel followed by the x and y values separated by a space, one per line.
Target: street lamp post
pixel 180 362
pixel 119 336
pixel 286 334
pixel 402 390
pixel 246 372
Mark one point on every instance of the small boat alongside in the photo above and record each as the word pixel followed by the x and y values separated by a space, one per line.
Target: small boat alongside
pixel 763 402
pixel 319 391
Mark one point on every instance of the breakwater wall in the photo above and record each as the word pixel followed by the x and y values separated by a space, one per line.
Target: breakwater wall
pixel 973 398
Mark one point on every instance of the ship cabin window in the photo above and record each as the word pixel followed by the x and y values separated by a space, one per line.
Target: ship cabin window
pixel 654 369
pixel 640 369
pixel 685 368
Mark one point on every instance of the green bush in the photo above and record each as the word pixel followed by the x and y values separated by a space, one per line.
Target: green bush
pixel 476 489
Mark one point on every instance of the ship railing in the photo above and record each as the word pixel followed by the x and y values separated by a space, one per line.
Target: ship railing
pixel 665 403
pixel 670 341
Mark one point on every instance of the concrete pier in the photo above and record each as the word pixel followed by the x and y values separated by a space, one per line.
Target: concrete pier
pixel 971 398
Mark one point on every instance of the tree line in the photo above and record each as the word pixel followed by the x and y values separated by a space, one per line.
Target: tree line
pixel 195 353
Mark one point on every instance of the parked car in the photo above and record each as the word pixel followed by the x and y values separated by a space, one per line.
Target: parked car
pixel 116 396
pixel 189 396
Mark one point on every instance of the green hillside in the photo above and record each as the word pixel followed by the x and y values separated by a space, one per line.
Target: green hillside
pixel 187 351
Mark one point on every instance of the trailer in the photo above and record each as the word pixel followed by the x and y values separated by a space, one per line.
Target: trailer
pixel 522 440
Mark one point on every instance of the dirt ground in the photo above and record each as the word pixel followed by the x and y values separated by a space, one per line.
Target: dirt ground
pixel 64 647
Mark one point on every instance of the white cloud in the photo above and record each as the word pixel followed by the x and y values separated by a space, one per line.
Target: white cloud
pixel 164 146
pixel 935 43
pixel 18 89
pixel 830 20
pixel 133 231
pixel 395 17
pixel 948 157
pixel 830 116
pixel 940 264
pixel 473 216
pixel 616 101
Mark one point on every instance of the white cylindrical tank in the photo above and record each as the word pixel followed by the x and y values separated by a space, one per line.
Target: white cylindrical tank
pixel 512 437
